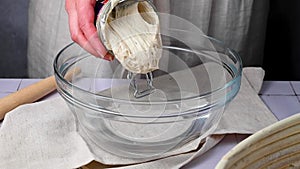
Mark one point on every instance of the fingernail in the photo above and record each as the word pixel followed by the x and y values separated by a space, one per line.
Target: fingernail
pixel 108 57
pixel 105 1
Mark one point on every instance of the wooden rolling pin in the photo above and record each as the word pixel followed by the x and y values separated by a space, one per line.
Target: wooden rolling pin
pixel 26 95
pixel 31 93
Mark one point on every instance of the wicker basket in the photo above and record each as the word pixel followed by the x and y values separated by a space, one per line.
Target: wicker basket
pixel 277 146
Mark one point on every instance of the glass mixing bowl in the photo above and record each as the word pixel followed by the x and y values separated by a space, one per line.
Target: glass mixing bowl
pixel 198 77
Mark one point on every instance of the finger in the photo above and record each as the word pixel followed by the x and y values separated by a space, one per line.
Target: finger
pixel 85 9
pixel 76 33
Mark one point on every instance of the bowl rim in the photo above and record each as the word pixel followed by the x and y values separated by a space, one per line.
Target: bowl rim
pixel 236 78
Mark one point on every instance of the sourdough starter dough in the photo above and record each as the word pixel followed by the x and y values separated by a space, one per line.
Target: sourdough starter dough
pixel 133 34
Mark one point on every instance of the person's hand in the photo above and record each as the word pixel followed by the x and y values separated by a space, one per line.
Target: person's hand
pixel 83 31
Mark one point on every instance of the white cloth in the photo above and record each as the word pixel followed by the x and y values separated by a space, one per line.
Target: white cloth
pixel 39 135
pixel 48 33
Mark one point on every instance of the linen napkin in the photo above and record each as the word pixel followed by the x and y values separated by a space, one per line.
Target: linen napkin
pixel 45 134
